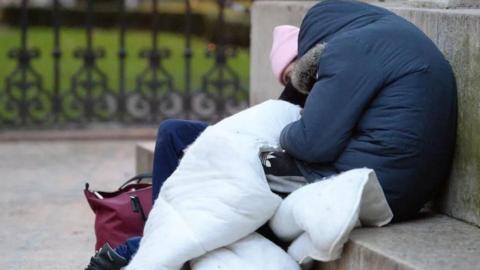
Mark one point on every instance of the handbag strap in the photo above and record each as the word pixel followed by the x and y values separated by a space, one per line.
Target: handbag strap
pixel 138 178
pixel 137 207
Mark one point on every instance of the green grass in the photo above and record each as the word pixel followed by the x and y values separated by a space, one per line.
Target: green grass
pixel 72 38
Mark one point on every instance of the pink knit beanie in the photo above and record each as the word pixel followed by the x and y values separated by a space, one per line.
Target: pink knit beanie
pixel 284 48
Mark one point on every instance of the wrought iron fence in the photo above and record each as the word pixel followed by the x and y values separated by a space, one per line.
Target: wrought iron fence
pixel 25 101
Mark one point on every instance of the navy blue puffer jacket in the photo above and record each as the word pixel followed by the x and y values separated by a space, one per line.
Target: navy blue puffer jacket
pixel 383 97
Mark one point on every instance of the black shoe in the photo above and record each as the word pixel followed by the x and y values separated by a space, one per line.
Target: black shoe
pixel 279 164
pixel 282 173
pixel 106 259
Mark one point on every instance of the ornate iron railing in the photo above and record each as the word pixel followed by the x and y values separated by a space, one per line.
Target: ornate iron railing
pixel 90 98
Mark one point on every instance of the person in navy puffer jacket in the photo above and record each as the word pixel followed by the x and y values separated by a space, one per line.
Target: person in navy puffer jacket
pixel 381 95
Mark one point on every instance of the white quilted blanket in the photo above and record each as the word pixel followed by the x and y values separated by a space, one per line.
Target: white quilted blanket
pixel 208 210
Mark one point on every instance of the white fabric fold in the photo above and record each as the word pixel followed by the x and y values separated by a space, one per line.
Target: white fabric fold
pixel 319 217
pixel 253 252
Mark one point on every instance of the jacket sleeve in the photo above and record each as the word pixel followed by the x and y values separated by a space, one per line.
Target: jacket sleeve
pixel 348 78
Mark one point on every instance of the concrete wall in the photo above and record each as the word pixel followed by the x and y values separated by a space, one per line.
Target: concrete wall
pixel 446 3
pixel 455 31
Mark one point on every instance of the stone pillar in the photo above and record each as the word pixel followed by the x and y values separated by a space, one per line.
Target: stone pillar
pixel 457 33
pixel 446 3
pixel 265 16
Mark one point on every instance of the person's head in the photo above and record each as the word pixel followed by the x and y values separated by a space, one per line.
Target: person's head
pixel 284 52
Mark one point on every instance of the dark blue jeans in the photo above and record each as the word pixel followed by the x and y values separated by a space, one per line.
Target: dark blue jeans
pixel 173 137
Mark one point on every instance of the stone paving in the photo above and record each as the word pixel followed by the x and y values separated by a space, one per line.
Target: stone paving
pixel 46 222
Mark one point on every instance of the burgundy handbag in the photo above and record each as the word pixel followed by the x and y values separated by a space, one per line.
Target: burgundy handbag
pixel 121 214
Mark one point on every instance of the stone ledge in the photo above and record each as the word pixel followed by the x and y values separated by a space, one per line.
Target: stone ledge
pixel 436 242
pixel 144 157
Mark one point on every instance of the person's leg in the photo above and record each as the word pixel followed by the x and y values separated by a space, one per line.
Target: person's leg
pixel 172 138
pixel 128 249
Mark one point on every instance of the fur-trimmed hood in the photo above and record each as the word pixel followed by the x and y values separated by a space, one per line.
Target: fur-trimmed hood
pixel 304 73
pixel 320 25
pixel 330 18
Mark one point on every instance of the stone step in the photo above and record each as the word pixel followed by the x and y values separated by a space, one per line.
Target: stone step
pixel 434 242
